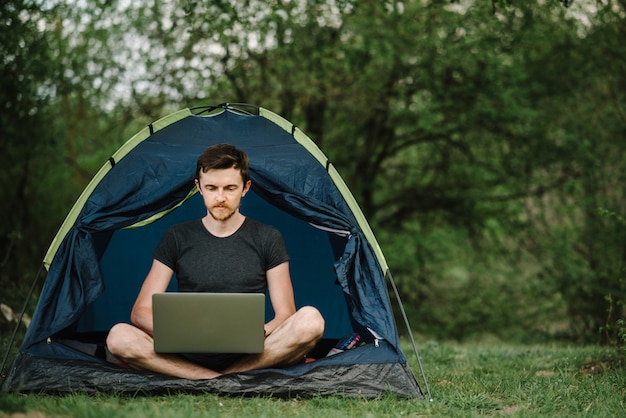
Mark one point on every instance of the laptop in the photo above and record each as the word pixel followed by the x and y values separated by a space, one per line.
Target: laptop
pixel 208 322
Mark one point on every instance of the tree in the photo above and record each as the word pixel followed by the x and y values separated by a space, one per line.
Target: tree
pixel 471 135
pixel 585 252
pixel 55 87
pixel 439 115
pixel 26 78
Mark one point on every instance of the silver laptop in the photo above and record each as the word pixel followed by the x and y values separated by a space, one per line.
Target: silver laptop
pixel 208 322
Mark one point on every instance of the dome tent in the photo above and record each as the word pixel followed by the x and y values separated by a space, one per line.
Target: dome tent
pixel 97 262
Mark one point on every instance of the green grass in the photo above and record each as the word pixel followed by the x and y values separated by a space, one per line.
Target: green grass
pixel 538 380
pixel 466 380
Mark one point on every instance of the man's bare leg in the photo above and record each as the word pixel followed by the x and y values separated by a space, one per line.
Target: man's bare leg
pixel 136 348
pixel 288 344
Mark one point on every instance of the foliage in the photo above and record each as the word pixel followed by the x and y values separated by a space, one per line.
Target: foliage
pixel 614 329
pixel 465 380
pixel 478 137
pixel 437 115
pixel 26 79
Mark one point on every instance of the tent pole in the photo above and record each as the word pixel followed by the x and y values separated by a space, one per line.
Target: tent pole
pixel 408 328
pixel 19 320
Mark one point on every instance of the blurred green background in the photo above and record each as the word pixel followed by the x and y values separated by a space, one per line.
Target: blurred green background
pixel 484 140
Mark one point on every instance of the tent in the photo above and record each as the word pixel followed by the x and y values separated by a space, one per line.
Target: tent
pixel 99 258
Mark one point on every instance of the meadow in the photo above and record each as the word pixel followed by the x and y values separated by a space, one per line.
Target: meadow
pixel 487 378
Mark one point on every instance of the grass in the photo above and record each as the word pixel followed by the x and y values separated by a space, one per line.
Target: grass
pixel 540 380
pixel 466 380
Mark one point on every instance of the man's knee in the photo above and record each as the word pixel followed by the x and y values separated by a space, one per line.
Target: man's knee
pixel 311 322
pixel 118 339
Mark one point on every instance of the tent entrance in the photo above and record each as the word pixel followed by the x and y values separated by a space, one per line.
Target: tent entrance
pixel 127 256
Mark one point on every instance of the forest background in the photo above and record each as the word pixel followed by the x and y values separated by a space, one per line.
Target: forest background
pixel 484 140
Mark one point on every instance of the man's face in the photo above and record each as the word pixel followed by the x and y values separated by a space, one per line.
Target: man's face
pixel 222 191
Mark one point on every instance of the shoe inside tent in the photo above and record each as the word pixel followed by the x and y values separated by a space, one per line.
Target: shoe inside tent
pixel 102 252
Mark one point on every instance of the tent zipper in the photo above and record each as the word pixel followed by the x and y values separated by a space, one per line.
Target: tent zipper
pixel 377 337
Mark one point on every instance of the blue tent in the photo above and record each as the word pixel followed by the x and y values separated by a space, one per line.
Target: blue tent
pixel 101 254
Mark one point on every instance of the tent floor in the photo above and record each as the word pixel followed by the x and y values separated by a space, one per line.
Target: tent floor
pixel 30 374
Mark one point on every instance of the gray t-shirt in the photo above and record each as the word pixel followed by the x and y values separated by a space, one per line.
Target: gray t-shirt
pixel 237 263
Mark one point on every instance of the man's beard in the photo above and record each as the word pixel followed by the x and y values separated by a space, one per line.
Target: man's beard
pixel 222 215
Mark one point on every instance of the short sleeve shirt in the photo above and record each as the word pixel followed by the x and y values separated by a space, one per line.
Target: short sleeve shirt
pixel 237 263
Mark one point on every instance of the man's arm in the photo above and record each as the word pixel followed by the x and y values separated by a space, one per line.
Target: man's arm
pixel 157 280
pixel 281 295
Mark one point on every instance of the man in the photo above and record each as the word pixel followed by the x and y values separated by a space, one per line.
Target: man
pixel 224 251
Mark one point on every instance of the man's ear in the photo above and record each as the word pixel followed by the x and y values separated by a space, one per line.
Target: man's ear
pixel 197 183
pixel 246 187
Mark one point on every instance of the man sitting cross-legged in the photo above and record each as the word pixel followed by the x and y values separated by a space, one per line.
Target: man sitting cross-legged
pixel 224 251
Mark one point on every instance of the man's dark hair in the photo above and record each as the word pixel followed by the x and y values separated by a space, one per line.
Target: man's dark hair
pixel 221 157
